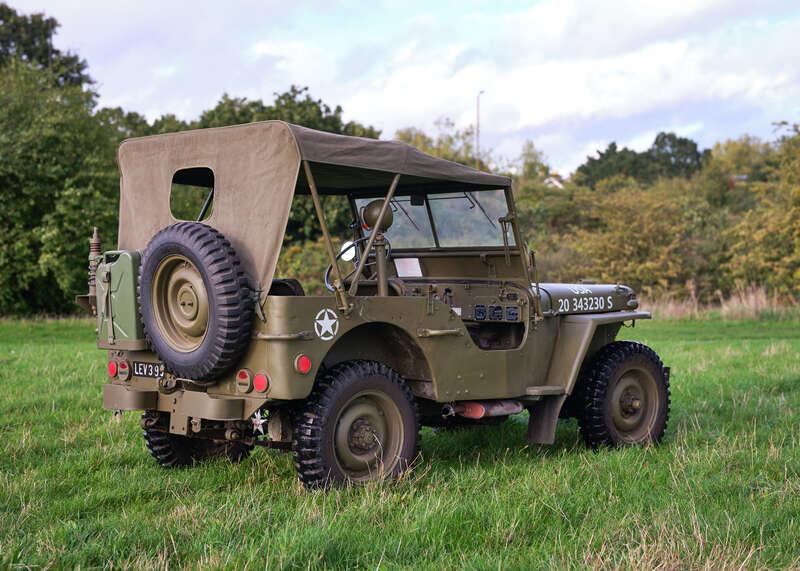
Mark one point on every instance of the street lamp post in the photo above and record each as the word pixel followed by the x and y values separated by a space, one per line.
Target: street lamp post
pixel 478 129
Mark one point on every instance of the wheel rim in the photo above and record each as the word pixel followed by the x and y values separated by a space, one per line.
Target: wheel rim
pixel 634 403
pixel 180 303
pixel 368 436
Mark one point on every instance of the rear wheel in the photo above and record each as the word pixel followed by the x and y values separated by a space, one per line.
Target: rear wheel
pixel 623 396
pixel 175 451
pixel 359 424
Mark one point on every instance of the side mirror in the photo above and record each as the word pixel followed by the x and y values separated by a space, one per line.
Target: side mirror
pixel 348 251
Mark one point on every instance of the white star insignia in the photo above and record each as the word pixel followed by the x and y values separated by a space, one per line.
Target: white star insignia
pixel 326 324
pixel 259 422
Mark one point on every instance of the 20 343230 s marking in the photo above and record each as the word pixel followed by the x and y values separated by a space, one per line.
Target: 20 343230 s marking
pixel 589 303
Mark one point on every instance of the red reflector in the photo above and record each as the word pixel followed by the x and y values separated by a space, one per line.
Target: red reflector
pixel 302 364
pixel 260 382
pixel 124 370
pixel 244 380
pixel 112 369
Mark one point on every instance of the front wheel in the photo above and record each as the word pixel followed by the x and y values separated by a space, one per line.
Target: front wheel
pixel 623 396
pixel 359 424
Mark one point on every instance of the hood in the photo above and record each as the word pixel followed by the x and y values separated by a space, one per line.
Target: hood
pixel 565 299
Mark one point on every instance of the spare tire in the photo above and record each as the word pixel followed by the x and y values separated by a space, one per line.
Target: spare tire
pixel 195 301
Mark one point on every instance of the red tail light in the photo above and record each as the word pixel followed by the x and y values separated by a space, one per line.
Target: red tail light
pixel 261 382
pixel 302 364
pixel 112 369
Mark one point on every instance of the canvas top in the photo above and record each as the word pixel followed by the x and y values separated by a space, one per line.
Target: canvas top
pixel 256 174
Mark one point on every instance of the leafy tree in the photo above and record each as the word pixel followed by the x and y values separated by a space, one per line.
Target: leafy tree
pixel 547 212
pixel 50 144
pixel 541 208
pixel 30 39
pixel 731 169
pixel 613 162
pixel 649 238
pixel 168 123
pixel 457 145
pixel 124 124
pixel 766 240
pixel 306 262
pixel 294 106
pixel 533 164
pixel 232 111
pixel 787 163
pixel 673 156
pixel 669 156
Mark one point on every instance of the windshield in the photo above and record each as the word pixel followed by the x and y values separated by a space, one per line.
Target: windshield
pixel 460 219
pixel 469 218
pixel 411 227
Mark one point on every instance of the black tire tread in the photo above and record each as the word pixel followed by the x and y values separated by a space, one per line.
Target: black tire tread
pixel 176 451
pixel 307 442
pixel 226 283
pixel 593 383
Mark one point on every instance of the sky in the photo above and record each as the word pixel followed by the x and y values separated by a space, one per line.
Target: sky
pixel 569 75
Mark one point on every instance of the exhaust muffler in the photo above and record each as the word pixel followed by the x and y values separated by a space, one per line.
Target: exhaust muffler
pixel 476 410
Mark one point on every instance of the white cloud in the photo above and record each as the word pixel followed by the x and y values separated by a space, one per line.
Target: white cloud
pixel 570 74
pixel 165 71
pixel 535 93
pixel 626 65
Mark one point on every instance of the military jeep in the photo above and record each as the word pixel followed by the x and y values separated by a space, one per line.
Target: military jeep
pixel 435 315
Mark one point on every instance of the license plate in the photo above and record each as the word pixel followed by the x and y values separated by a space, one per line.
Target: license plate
pixel 152 370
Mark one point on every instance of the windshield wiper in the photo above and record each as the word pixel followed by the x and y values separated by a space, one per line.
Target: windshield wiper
pixel 469 196
pixel 400 206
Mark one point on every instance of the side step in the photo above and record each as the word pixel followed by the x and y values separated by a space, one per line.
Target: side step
pixel 544 391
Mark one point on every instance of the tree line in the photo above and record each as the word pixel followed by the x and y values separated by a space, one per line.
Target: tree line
pixel 672 220
pixel 680 222
pixel 58 172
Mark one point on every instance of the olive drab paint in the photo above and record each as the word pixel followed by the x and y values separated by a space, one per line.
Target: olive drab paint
pixel 473 325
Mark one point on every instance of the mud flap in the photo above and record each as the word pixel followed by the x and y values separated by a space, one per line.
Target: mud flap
pixel 544 419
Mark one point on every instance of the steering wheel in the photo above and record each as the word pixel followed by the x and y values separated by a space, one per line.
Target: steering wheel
pixel 368 264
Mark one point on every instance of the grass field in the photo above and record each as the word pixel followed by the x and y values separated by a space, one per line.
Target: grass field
pixel 77 487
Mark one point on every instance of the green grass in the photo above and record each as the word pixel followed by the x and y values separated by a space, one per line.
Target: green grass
pixel 77 487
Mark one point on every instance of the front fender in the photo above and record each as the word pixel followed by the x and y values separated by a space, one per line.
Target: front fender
pixel 579 336
pixel 577 339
